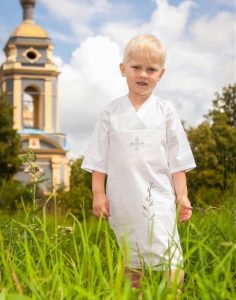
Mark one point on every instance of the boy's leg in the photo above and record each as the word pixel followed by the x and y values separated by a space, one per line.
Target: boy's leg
pixel 135 276
pixel 175 279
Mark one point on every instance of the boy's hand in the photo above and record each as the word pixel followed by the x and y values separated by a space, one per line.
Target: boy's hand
pixel 185 209
pixel 100 205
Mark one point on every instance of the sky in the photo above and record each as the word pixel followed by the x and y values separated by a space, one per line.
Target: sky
pixel 89 37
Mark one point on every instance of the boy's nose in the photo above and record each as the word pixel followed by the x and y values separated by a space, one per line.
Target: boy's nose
pixel 143 73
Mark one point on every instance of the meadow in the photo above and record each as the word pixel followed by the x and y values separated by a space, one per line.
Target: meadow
pixel 54 256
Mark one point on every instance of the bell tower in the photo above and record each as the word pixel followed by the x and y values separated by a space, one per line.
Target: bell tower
pixel 29 79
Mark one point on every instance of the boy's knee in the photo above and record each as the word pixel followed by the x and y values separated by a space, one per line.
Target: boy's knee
pixel 135 276
pixel 175 278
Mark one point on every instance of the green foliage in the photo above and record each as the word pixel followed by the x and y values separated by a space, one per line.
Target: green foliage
pixel 78 201
pixel 11 194
pixel 54 258
pixel 204 148
pixel 16 195
pixel 11 191
pixel 226 103
pixel 79 176
pixel 10 143
pixel 214 147
pixel 80 195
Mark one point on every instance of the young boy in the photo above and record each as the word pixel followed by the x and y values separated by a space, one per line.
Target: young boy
pixel 140 147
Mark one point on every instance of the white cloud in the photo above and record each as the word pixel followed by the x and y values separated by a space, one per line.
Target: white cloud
pixel 76 9
pixel 215 34
pixel 85 18
pixel 86 84
pixel 55 35
pixel 227 2
pixel 201 64
pixel 169 22
pixel 78 13
pixel 98 59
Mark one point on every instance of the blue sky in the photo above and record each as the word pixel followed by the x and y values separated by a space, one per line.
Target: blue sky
pixel 89 37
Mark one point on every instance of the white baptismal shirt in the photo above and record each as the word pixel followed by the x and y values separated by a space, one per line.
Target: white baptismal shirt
pixel 139 151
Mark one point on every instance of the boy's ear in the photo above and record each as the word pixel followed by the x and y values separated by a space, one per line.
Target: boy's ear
pixel 122 69
pixel 162 73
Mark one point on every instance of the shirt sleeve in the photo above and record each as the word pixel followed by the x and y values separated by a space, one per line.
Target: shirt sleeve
pixel 180 157
pixel 96 155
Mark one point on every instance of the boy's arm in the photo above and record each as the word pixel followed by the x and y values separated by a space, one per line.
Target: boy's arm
pixel 100 201
pixel 181 191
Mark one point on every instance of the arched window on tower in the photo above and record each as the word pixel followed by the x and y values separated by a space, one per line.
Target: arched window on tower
pixel 31 108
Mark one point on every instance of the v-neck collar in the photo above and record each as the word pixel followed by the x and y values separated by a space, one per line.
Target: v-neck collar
pixel 141 110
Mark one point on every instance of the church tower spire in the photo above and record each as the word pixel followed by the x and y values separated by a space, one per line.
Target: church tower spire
pixel 28 78
pixel 28 9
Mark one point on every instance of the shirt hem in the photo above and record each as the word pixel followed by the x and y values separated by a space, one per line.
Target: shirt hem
pixel 185 169
pixel 90 168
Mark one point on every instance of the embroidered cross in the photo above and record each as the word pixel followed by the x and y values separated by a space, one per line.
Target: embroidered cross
pixel 137 143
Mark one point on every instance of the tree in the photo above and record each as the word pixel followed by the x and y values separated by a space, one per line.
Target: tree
pixel 223 119
pixel 205 181
pixel 226 103
pixel 79 199
pixel 79 176
pixel 225 138
pixel 204 148
pixel 10 143
pixel 214 147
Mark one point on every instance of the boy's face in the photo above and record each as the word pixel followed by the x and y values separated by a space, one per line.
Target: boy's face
pixel 142 74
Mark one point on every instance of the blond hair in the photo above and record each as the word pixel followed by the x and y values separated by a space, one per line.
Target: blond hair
pixel 147 45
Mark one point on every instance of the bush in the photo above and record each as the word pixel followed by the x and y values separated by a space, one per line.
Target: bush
pixel 77 200
pixel 211 195
pixel 11 194
pixel 15 194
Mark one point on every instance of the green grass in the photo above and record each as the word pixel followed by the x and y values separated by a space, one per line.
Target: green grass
pixel 52 257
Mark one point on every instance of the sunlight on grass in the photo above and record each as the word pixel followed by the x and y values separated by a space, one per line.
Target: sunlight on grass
pixel 55 257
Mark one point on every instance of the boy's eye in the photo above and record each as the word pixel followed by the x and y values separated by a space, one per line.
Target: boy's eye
pixel 152 70
pixel 136 67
